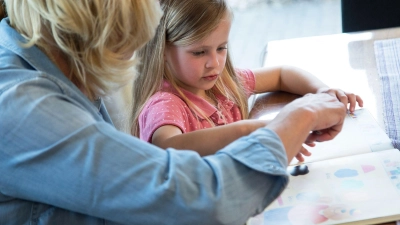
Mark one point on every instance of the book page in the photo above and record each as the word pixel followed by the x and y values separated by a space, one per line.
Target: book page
pixel 360 134
pixel 360 189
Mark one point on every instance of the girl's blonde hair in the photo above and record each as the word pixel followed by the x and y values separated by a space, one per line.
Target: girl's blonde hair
pixel 97 37
pixel 183 23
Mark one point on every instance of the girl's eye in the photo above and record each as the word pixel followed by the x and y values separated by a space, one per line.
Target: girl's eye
pixel 198 53
pixel 222 48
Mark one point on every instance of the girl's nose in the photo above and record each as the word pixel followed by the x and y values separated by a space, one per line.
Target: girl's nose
pixel 212 61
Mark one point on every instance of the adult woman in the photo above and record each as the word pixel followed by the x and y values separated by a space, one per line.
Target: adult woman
pixel 62 160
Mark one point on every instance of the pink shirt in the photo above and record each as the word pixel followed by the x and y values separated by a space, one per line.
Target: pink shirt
pixel 166 108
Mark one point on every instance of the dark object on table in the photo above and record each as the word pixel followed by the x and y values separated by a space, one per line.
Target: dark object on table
pixel 299 170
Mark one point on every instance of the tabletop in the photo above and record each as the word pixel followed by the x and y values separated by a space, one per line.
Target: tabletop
pixel 345 61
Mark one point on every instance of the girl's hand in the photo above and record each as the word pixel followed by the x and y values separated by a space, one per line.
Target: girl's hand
pixel 344 97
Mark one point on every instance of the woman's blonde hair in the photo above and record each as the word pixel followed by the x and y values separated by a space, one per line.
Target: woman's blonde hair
pixel 97 37
pixel 183 23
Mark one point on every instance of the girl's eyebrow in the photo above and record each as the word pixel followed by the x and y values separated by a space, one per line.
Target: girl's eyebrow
pixel 207 46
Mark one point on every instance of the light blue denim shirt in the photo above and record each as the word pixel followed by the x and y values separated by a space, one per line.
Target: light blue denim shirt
pixel 63 162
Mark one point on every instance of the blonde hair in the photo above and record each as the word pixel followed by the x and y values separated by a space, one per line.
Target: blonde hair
pixel 183 23
pixel 97 37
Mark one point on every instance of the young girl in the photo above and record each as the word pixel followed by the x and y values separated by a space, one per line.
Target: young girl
pixel 187 81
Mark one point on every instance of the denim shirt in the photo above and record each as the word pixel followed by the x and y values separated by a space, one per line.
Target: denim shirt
pixel 63 162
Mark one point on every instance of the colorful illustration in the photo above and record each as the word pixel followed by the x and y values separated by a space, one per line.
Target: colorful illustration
pixel 367 168
pixel 346 173
pixel 363 185
pixel 392 167
pixel 352 184
pixel 309 214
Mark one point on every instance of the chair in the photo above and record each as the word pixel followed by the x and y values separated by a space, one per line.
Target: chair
pixel 360 15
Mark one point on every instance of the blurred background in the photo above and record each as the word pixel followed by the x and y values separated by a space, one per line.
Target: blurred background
pixel 256 22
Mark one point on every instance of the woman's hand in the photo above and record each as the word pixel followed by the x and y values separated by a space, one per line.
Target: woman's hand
pixel 311 118
pixel 344 97
pixel 304 152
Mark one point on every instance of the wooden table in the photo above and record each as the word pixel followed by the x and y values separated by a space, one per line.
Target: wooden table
pixel 345 61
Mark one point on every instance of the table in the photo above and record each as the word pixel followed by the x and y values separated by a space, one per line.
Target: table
pixel 345 61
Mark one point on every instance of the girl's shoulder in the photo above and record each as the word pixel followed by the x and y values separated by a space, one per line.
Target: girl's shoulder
pixel 244 73
pixel 165 98
pixel 247 78
pixel 164 103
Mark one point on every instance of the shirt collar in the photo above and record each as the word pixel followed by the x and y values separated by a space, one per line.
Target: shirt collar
pixel 32 55
pixel 207 108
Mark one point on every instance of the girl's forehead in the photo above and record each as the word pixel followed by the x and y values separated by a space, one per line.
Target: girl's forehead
pixel 220 34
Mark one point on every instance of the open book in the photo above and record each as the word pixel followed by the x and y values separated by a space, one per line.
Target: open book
pixel 353 179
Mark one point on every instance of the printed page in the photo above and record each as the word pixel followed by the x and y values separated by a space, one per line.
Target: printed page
pixel 360 134
pixel 360 189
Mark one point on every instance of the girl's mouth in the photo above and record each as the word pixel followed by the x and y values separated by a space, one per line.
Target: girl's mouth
pixel 212 77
